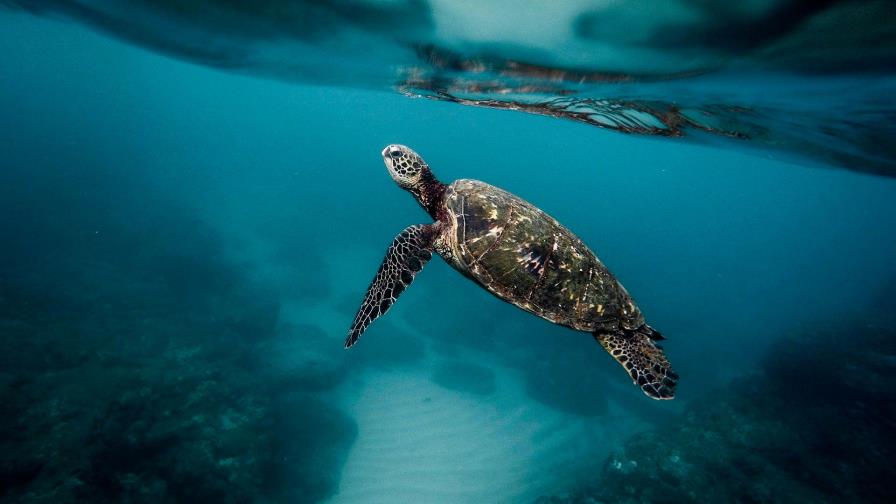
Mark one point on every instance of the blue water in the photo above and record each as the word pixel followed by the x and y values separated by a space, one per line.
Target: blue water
pixel 184 249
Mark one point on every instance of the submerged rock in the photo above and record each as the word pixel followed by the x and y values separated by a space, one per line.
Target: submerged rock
pixel 564 389
pixel 477 328
pixel 215 441
pixel 311 440
pixel 302 357
pixel 145 367
pixel 386 346
pixel 464 377
pixel 567 380
pixel 816 426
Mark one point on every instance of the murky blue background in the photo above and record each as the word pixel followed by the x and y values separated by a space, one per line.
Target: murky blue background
pixel 183 250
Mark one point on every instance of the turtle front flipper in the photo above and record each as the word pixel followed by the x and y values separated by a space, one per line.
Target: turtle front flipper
pixel 410 250
pixel 643 359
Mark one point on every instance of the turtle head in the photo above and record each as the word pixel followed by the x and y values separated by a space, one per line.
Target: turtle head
pixel 405 166
pixel 410 172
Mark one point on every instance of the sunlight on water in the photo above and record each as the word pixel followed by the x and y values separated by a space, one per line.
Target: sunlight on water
pixel 681 69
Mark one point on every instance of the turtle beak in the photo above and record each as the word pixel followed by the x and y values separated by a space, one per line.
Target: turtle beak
pixel 387 157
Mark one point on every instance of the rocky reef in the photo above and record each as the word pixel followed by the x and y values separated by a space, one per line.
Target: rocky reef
pixel 141 363
pixel 815 425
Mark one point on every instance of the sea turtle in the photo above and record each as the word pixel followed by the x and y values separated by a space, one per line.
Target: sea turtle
pixel 521 255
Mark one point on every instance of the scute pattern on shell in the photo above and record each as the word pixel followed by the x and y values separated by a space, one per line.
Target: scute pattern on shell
pixel 524 256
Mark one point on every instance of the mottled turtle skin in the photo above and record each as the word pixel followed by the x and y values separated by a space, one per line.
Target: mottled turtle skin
pixel 521 255
pixel 524 256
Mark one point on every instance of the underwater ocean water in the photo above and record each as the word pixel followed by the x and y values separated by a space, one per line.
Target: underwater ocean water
pixel 193 202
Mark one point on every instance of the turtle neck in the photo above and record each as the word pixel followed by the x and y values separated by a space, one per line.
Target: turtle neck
pixel 429 193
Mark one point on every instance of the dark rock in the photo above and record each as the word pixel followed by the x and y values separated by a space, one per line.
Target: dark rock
pixel 302 357
pixel 142 363
pixel 386 346
pixel 311 440
pixel 18 473
pixel 464 377
pixel 567 379
pixel 813 427
pixel 466 317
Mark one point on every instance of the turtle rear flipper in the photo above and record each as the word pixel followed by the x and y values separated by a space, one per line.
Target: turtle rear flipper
pixel 643 359
pixel 407 255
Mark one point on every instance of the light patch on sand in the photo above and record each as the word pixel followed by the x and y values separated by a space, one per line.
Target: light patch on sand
pixel 418 442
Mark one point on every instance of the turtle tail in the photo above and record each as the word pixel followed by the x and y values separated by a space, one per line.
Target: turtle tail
pixel 642 358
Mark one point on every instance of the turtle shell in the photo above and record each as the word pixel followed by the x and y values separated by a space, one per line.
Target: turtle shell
pixel 524 256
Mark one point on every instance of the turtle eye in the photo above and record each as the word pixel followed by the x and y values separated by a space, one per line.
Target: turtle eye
pixel 396 154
